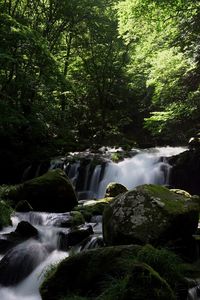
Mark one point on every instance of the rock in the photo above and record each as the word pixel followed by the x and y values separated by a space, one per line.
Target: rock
pixel 74 237
pixel 194 142
pixel 5 214
pixel 185 171
pixel 23 206
pixel 92 208
pixel 142 279
pixel 5 245
pixel 26 230
pixel 149 214
pixel 51 192
pixel 23 232
pixel 119 272
pixel 20 261
pixel 75 219
pixel 114 189
pixel 181 192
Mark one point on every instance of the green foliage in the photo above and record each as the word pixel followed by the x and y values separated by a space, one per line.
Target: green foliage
pixel 164 262
pixel 83 73
pixel 5 213
pixel 164 60
pixel 121 272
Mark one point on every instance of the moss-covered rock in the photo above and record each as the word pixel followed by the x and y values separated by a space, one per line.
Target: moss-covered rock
pixel 92 208
pixel 111 273
pixel 145 282
pixel 5 214
pixel 77 218
pixel 50 192
pixel 149 214
pixel 114 189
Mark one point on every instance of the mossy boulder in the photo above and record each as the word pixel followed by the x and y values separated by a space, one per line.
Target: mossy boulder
pixel 76 218
pixel 51 192
pixel 5 214
pixel 92 208
pixel 114 189
pixel 149 214
pixel 119 272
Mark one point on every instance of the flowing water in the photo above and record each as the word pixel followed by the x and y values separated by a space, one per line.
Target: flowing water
pixel 34 256
pixel 146 166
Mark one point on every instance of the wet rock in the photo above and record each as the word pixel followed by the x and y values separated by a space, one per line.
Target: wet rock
pixel 185 171
pixel 5 245
pixel 114 189
pixel 120 272
pixel 74 237
pixel 20 261
pixel 23 232
pixel 23 206
pixel 149 214
pixel 26 230
pixel 92 208
pixel 51 192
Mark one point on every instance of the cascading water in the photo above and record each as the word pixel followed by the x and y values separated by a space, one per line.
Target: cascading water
pixel 34 256
pixel 26 264
pixel 147 166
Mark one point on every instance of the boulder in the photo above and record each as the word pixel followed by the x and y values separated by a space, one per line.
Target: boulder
pixel 118 272
pixel 23 206
pixel 185 171
pixel 114 189
pixel 24 231
pixel 91 208
pixel 51 192
pixel 74 237
pixel 20 261
pixel 149 214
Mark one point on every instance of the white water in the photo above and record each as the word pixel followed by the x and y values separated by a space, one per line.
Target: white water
pixel 45 251
pixel 144 167
pixel 40 253
pixel 28 289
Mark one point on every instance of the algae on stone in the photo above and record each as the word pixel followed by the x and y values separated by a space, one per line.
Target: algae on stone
pixel 51 192
pixel 149 214
pixel 112 273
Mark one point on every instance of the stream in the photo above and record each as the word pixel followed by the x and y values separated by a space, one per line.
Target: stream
pixel 34 256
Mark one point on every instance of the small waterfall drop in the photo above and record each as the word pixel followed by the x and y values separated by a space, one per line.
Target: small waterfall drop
pixel 23 267
pixel 145 166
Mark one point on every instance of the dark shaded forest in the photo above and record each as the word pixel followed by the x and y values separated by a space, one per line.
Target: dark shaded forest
pixel 82 73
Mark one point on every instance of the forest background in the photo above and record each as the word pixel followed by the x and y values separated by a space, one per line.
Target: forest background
pixel 77 74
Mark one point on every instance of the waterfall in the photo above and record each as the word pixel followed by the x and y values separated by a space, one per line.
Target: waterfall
pixel 145 166
pixel 34 256
pixel 23 267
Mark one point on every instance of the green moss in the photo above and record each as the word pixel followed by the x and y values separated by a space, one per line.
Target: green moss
pixel 145 283
pixel 116 273
pixel 77 218
pixel 114 189
pixel 93 208
pixel 117 156
pixel 51 192
pixel 5 214
pixel 164 262
pixel 173 202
